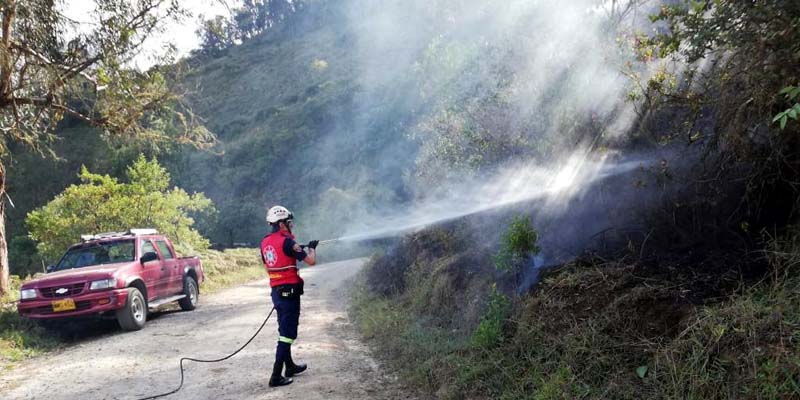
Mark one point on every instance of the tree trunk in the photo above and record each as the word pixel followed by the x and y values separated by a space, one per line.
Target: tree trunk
pixel 6 91
pixel 4 268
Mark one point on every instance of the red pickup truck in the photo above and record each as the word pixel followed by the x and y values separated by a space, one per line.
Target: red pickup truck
pixel 120 274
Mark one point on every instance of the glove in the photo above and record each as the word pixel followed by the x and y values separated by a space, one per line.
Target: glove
pixel 313 244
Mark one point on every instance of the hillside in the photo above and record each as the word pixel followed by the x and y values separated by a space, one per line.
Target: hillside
pixel 289 110
pixel 564 200
pixel 436 309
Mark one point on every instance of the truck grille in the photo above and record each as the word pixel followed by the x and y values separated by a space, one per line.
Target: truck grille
pixel 72 290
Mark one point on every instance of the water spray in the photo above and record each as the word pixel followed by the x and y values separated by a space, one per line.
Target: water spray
pixel 552 187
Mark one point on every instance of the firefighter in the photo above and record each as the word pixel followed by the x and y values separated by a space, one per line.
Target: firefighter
pixel 280 254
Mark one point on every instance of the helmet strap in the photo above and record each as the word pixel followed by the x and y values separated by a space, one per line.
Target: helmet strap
pixel 285 224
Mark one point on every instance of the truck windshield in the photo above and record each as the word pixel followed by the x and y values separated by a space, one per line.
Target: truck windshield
pixel 97 254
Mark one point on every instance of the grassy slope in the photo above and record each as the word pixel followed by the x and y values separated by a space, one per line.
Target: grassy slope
pixel 271 101
pixel 21 338
pixel 231 267
pixel 594 330
pixel 293 106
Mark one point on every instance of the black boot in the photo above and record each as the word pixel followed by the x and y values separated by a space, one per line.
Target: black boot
pixel 279 381
pixel 277 369
pixel 294 369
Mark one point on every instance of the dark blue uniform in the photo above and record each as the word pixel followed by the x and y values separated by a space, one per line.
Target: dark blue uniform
pixel 286 300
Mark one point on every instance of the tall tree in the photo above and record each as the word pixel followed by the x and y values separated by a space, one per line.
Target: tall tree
pixel 51 67
pixel 101 203
pixel 216 35
pixel 254 17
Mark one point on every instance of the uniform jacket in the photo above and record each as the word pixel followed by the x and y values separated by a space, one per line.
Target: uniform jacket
pixel 281 267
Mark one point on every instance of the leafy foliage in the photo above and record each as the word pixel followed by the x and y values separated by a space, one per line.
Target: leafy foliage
pixel 216 35
pixel 255 16
pixel 248 21
pixel 47 73
pixel 23 256
pixel 50 67
pixel 489 333
pixel 722 75
pixel 743 58
pixel 20 337
pixel 517 244
pixel 104 204
pixel 79 146
pixel 792 94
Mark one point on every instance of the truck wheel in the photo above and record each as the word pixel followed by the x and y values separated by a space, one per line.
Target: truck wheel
pixel 133 316
pixel 189 302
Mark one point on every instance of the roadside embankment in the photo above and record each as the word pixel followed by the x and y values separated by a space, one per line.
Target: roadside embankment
pixel 21 338
pixel 435 308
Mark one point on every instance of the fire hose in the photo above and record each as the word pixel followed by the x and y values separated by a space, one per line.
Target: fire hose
pixel 210 361
pixel 180 386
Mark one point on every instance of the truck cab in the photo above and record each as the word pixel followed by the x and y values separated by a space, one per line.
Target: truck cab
pixel 119 274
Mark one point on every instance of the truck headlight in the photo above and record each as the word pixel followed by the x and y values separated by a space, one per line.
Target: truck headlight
pixel 103 284
pixel 25 294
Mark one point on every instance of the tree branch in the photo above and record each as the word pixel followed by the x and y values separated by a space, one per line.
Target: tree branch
pixel 27 50
pixel 49 103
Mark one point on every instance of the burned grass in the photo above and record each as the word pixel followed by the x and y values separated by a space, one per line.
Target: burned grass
pixel 589 329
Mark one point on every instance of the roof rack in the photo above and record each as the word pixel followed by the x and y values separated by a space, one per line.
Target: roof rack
pixel 143 231
pixel 130 232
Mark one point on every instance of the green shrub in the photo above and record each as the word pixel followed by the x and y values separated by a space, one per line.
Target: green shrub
pixel 517 244
pixel 20 337
pixel 103 204
pixel 489 333
pixel 23 256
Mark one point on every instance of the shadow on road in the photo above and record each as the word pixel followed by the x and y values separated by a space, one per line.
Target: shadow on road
pixel 77 330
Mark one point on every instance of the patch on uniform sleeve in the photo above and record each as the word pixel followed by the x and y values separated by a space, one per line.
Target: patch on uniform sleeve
pixel 297 248
pixel 270 255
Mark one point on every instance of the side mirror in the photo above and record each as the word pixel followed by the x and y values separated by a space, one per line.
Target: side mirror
pixel 150 256
pixel 50 268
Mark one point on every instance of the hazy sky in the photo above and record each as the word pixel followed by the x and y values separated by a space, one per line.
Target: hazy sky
pixel 181 34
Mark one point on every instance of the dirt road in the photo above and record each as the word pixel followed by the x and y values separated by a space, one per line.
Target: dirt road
pixel 131 365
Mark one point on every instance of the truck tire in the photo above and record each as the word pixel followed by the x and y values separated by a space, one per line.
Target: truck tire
pixel 189 302
pixel 133 316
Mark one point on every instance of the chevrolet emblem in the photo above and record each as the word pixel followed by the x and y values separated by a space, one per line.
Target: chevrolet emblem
pixel 62 290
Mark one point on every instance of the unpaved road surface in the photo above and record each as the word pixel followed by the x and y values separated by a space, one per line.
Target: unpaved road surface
pixel 131 365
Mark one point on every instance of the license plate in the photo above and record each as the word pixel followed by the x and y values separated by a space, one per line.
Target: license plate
pixel 63 305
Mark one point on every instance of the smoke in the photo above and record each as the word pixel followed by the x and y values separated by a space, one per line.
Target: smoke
pixel 469 105
pixel 394 115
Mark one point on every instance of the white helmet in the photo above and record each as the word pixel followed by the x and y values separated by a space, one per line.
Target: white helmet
pixel 277 214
